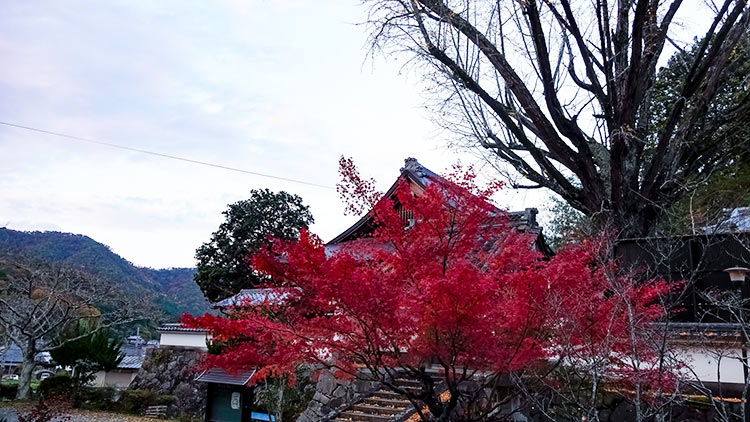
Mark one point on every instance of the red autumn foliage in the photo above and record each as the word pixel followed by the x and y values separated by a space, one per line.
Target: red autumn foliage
pixel 457 286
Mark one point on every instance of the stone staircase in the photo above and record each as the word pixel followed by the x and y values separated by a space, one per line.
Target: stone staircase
pixel 384 405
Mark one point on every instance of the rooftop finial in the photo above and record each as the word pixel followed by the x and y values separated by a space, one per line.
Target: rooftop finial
pixel 413 165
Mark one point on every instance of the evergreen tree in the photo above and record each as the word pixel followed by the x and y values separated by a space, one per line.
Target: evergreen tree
pixel 223 268
pixel 87 351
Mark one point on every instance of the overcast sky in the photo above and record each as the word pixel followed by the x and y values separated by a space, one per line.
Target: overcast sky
pixel 279 87
pixel 273 86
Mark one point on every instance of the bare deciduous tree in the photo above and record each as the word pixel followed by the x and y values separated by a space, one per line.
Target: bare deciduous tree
pixel 39 302
pixel 560 91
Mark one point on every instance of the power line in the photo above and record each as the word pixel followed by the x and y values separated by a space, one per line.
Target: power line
pixel 158 154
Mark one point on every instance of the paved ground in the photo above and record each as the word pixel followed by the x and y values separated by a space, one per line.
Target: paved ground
pixel 81 416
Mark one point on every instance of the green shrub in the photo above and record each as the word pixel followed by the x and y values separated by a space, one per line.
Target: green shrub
pixel 165 400
pixel 136 401
pixel 56 385
pixel 98 398
pixel 8 390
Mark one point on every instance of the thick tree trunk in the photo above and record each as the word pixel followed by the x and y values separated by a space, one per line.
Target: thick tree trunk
pixel 27 370
pixel 627 220
pixel 638 221
pixel 280 404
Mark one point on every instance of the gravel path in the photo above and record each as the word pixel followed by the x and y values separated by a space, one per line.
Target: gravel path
pixel 81 416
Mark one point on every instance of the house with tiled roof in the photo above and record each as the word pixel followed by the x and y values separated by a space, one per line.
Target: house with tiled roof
pixel 177 336
pixel 133 356
pixel 419 177
pixel 11 359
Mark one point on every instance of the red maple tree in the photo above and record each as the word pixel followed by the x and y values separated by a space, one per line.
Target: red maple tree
pixel 452 286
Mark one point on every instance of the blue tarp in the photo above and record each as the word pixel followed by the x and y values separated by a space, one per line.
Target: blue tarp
pixel 257 416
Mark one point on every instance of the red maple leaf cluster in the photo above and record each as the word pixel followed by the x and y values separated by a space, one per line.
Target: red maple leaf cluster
pixel 454 284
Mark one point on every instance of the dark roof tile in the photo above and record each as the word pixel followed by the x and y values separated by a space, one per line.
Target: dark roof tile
pixel 179 327
pixel 255 297
pixel 220 376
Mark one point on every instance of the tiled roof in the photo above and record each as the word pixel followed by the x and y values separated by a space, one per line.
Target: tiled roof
pixel 13 356
pixel 733 220
pixel 220 376
pixel 525 220
pixel 179 327
pixel 134 356
pixel 424 175
pixel 135 340
pixel 694 331
pixel 255 297
pixel 132 362
pixel 421 175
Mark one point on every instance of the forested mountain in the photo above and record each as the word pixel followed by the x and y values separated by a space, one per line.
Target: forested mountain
pixel 172 290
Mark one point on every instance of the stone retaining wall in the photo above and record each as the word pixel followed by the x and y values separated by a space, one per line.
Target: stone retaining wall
pixel 173 372
pixel 332 394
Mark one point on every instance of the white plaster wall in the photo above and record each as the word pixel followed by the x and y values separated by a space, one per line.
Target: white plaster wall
pixel 117 379
pixel 705 364
pixel 99 380
pixel 185 340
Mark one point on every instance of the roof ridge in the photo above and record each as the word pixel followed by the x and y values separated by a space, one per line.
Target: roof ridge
pixel 413 165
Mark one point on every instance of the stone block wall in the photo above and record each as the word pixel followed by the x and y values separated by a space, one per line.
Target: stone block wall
pixel 173 372
pixel 332 394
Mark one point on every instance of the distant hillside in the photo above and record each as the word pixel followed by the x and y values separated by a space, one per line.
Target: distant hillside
pixel 172 290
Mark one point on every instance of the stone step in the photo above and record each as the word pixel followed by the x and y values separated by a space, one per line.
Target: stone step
pixel 386 394
pixel 436 378
pixel 407 382
pixel 436 375
pixel 350 415
pixel 410 388
pixel 384 405
pixel 376 401
pixel 377 410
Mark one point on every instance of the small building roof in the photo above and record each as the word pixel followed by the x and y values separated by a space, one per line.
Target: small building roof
pixel 133 356
pixel 255 297
pixel 132 362
pixel 178 327
pixel 220 376
pixel 12 356
pixel 732 220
